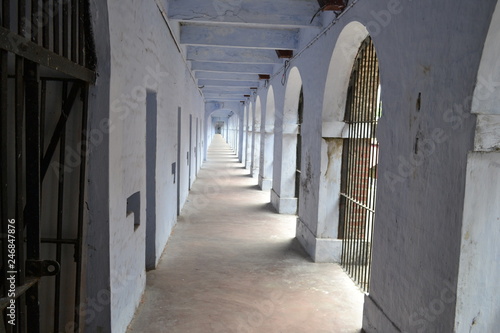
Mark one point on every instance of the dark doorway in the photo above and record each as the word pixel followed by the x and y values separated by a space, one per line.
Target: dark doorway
pixel 151 145
pixel 300 119
pixel 190 165
pixel 196 147
pixel 179 136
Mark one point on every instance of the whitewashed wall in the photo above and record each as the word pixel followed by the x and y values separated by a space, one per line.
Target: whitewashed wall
pixel 478 298
pixel 143 56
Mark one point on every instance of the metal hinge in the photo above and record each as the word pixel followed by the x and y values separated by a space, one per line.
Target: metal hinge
pixel 40 268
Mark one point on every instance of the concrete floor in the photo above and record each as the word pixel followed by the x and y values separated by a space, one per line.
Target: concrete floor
pixel 233 265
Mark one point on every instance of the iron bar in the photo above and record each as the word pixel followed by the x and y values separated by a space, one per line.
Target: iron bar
pixel 33 184
pixel 10 41
pixel 35 24
pixel 364 206
pixel 81 33
pixel 364 164
pixel 74 31
pixel 59 241
pixel 43 108
pixel 56 33
pixel 81 204
pixel 65 28
pixel 45 26
pixel 20 198
pixel 60 214
pixel 60 127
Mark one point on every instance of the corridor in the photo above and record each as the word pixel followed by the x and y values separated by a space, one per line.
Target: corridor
pixel 233 265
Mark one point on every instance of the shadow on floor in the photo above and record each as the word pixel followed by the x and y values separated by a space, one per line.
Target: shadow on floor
pixel 267 207
pixel 295 249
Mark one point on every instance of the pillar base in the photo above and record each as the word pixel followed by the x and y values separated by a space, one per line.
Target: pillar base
pixel 265 184
pixel 283 205
pixel 323 250
pixel 255 173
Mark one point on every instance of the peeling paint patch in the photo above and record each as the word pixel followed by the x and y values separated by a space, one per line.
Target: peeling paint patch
pixel 334 153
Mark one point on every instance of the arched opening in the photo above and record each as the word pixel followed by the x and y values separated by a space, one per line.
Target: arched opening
pixel 219 123
pixel 287 148
pixel 334 132
pixel 359 165
pixel 257 116
pixel 267 143
pixel 249 135
pixel 481 228
pixel 298 148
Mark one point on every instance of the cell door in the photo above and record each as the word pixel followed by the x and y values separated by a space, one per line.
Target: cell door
pixel 46 66
pixel 151 149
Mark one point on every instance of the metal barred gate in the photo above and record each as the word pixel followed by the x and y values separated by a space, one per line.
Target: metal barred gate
pixel 359 166
pixel 46 65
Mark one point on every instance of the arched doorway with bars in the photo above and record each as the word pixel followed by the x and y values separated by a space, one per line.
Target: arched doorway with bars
pixel 330 238
pixel 359 165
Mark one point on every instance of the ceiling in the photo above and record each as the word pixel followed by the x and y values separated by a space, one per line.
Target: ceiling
pixel 229 43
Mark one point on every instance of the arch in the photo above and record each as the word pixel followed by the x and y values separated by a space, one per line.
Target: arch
pixel 292 94
pixel 267 143
pixel 283 196
pixel 334 131
pixel 219 110
pixel 339 71
pixel 270 108
pixel 480 227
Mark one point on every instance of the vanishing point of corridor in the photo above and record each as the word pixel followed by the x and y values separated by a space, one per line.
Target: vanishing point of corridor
pixel 233 265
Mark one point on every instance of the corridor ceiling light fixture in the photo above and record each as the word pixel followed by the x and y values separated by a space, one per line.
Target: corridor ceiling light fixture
pixel 284 54
pixel 336 6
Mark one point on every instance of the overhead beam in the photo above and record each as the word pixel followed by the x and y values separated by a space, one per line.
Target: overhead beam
pixel 218 96
pixel 226 76
pixel 231 68
pixel 275 12
pixel 224 99
pixel 232 55
pixel 237 36
pixel 224 83
pixel 210 91
pixel 228 89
